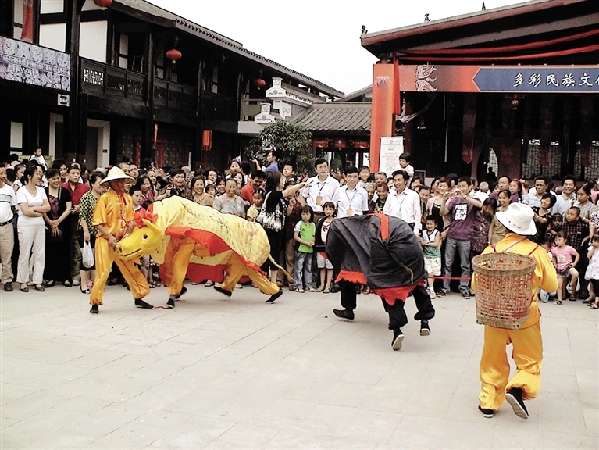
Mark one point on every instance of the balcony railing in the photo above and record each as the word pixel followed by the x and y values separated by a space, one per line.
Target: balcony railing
pixel 218 107
pixel 175 96
pixel 99 78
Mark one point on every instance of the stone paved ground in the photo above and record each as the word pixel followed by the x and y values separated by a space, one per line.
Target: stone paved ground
pixel 240 373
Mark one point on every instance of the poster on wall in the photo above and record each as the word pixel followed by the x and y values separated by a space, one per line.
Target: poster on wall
pixel 391 148
pixel 32 64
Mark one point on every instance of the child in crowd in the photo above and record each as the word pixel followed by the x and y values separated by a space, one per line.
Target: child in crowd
pixel 593 270
pixel 543 217
pixel 364 176
pixel 257 199
pixel 404 164
pixel 564 265
pixel 304 234
pixel 208 200
pixel 556 224
pixel 322 261
pixel 431 244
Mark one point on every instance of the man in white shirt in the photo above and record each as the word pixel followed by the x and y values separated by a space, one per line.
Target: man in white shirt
pixel 8 203
pixel 566 200
pixel 321 188
pixel 533 198
pixel 404 203
pixel 351 199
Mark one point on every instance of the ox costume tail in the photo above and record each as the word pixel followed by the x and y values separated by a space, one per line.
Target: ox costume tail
pixel 287 274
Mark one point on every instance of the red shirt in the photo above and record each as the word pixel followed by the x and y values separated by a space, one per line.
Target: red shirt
pixel 76 193
pixel 247 193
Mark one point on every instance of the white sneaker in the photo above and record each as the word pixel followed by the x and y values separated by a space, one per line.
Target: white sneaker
pixel 431 293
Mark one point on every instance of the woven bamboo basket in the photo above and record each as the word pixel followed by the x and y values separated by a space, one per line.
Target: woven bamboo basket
pixel 504 284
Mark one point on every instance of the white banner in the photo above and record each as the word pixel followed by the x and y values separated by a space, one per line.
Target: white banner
pixel 391 148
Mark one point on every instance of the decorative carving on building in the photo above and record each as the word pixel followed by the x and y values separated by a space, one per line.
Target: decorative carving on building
pixel 32 64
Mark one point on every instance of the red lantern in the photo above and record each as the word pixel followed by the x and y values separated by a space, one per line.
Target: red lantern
pixel 174 55
pixel 260 83
pixel 103 3
pixel 207 140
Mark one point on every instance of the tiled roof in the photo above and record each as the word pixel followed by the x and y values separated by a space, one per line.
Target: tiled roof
pixel 335 116
pixel 225 42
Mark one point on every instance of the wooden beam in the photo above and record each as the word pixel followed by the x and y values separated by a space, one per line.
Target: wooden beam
pixel 528 32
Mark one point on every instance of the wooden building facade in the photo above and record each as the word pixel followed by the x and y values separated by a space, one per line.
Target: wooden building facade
pixel 515 89
pixel 139 82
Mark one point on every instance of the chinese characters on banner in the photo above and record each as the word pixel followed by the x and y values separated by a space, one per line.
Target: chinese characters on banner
pixel 512 79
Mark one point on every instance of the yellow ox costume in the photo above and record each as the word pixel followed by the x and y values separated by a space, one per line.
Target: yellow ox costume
pixel 527 346
pixel 200 242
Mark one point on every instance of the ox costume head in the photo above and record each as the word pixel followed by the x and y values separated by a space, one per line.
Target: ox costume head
pixel 146 238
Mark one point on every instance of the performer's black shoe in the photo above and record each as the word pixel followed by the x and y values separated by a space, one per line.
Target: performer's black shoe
pixel 171 301
pixel 514 398
pixel 183 291
pixel 143 305
pixel 222 291
pixel 273 297
pixel 344 313
pixel 487 413
pixel 425 329
pixel 94 309
pixel 397 339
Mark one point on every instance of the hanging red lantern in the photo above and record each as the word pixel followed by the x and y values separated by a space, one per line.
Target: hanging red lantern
pixel 103 3
pixel 174 55
pixel 260 83
pixel 207 140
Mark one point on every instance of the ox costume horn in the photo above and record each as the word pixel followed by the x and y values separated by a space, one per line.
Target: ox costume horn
pixel 383 253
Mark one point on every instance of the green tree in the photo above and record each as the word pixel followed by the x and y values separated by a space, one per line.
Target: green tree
pixel 293 143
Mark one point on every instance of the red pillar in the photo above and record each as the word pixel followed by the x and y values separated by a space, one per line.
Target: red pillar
pixel 384 96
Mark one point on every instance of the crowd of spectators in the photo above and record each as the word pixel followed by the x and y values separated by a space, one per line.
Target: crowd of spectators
pixel 454 217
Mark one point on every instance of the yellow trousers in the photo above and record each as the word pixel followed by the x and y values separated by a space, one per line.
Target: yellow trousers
pixel 104 256
pixel 236 269
pixel 527 352
pixel 176 259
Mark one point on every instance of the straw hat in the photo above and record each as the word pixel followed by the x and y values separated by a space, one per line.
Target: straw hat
pixel 116 173
pixel 518 218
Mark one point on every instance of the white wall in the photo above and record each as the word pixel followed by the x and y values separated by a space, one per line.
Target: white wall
pixel 93 40
pixel 53 36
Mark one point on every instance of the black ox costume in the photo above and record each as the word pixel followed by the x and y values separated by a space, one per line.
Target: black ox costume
pixel 383 253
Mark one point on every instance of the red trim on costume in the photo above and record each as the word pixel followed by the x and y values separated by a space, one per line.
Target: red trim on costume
pixel 352 277
pixel 214 243
pixel 200 272
pixel 384 225
pixel 396 293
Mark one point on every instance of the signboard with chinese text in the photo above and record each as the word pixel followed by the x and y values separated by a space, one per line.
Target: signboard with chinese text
pixel 512 79
pixel 391 148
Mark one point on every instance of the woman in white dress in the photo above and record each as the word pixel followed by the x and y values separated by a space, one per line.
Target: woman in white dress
pixel 33 203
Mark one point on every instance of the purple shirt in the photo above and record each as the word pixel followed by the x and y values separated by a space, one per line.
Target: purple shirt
pixel 462 216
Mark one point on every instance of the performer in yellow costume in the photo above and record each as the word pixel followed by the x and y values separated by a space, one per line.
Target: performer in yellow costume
pixel 113 218
pixel 526 342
